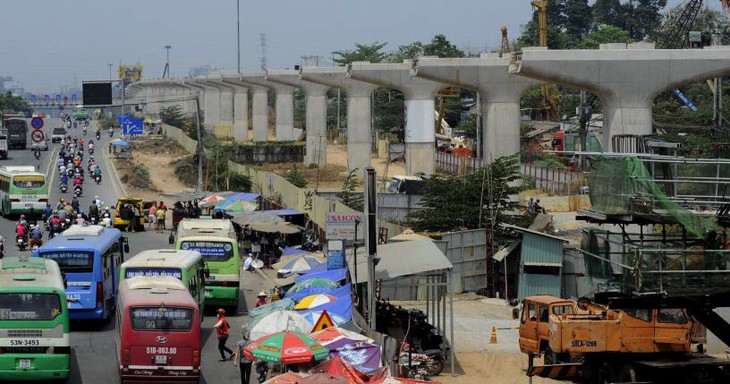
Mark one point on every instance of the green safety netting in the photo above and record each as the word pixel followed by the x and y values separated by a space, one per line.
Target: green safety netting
pixel 623 185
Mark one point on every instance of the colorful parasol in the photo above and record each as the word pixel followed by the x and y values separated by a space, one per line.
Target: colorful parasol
pixel 286 348
pixel 316 282
pixel 316 300
pixel 277 321
pixel 331 333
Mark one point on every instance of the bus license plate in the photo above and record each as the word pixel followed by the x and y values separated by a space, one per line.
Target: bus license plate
pixel 161 359
pixel 208 293
pixel 24 363
pixel 28 205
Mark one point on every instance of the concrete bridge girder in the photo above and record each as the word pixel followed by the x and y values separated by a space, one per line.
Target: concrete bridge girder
pixel 627 79
pixel 499 91
pixel 359 111
pixel 316 112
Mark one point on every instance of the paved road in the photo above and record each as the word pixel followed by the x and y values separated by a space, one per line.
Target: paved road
pixel 93 355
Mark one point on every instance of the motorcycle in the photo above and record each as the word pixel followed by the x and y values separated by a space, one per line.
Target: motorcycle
pixel 111 132
pixel 97 179
pixel 75 125
pixel 98 135
pixel 94 219
pixel 427 363
pixel 21 242
pixel 78 190
pixel 84 131
pixel 91 151
pixel 63 188
pixel 70 173
pixel 86 123
pixel 37 154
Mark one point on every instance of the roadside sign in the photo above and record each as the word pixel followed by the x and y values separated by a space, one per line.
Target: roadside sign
pixel 73 98
pixel 37 136
pixel 33 98
pixel 341 225
pixel 37 122
pixel 47 98
pixel 122 118
pixel 58 97
pixel 324 321
pixel 133 127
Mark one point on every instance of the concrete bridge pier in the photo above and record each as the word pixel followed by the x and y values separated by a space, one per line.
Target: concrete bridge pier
pixel 359 115
pixel 284 105
pixel 259 107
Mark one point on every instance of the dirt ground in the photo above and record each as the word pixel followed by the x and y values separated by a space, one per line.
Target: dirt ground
pixel 477 360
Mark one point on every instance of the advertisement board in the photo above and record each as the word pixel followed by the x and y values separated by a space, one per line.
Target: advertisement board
pixel 341 225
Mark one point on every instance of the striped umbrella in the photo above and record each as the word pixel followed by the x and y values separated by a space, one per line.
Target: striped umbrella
pixel 315 300
pixel 316 282
pixel 286 348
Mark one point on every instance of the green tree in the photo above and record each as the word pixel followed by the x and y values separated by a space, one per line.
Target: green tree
pixel 10 103
pixel 441 47
pixel 351 194
pixel 578 18
pixel 467 127
pixel 295 177
pixel 467 202
pixel 607 12
pixel 372 53
pixel 605 34
pixel 406 52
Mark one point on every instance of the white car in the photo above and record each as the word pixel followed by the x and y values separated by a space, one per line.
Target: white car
pixel 43 145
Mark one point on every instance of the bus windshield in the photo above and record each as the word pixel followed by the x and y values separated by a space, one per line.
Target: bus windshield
pixel 29 306
pixel 29 181
pixel 211 250
pixel 72 261
pixel 161 319
pixel 152 272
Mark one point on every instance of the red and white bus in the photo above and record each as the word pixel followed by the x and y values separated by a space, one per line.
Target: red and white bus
pixel 158 331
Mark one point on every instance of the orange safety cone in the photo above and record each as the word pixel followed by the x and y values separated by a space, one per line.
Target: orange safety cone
pixel 493 339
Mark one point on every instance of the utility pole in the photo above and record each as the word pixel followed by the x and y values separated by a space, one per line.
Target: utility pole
pixel 110 71
pixel 584 116
pixel 167 63
pixel 238 33
pixel 199 148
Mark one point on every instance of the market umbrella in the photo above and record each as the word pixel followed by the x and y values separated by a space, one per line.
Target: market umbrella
pixel 313 316
pixel 360 354
pixel 311 283
pixel 300 265
pixel 328 334
pixel 323 378
pixel 285 378
pixel 277 321
pixel 211 200
pixel 315 300
pixel 237 206
pixel 286 348
pixel 120 143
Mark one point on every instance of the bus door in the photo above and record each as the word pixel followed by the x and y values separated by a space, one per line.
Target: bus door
pixel 163 339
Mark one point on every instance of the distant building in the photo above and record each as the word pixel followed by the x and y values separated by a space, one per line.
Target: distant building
pixel 203 70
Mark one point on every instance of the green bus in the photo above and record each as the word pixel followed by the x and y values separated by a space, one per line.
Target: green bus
pixel 22 190
pixel 34 325
pixel 186 266
pixel 216 240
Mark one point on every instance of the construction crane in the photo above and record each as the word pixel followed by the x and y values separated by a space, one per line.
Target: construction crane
pixel 551 98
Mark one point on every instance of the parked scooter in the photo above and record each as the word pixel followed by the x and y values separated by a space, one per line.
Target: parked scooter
pixel 431 362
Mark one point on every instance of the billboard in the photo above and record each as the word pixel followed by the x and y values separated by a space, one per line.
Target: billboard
pixel 341 225
pixel 130 73
pixel 97 92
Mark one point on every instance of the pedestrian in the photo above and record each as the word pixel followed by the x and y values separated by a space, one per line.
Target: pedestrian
pixel 261 299
pixel 161 217
pixel 240 360
pixel 222 329
pixel 152 217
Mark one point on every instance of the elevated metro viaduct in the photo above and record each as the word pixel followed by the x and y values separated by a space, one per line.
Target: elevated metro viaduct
pixel 627 78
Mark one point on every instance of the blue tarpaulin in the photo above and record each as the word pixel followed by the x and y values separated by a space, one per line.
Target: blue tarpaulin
pixel 334 275
pixel 293 251
pixel 340 308
pixel 344 290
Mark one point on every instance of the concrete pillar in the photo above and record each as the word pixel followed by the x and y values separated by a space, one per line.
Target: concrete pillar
pixel 284 112
pixel 419 107
pixel 359 125
pixel 316 112
pixel 210 103
pixel 500 93
pixel 240 109
pixel 226 106
pixel 260 111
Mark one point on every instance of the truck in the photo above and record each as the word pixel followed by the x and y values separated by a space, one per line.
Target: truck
pixel 17 132
pixel 3 143
pixel 589 341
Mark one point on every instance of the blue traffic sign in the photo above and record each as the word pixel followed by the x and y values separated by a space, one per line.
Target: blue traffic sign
pixel 58 97
pixel 122 118
pixel 37 123
pixel 47 98
pixel 73 98
pixel 33 98
pixel 133 126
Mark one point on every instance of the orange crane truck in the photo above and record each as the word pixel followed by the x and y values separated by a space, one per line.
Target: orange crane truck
pixel 595 343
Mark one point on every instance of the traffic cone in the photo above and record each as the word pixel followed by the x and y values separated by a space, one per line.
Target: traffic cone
pixel 493 339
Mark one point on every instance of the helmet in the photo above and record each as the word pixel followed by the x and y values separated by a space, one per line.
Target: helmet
pixel 221 311
pixel 106 208
pixel 62 199
pixel 22 216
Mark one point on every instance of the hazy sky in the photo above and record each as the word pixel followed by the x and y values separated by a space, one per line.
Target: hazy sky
pixel 58 44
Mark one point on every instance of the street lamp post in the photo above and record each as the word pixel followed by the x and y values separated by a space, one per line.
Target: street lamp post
pixel 238 34
pixel 110 71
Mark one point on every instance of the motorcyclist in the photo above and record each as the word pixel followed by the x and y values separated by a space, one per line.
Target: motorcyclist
pixel 98 202
pixel 55 225
pixel 37 153
pixel 98 134
pixel 85 125
pixel 22 221
pixel 91 146
pixel 62 214
pixel 94 211
pixel 81 141
pixel 2 247
pixel 69 210
pixel 97 172
pixel 62 170
pixel 77 180
pixel 77 161
pixel 60 162
pixel 61 204
pixel 111 131
pixel 47 212
pixel 75 203
pixel 64 178
pixel 20 231
pixel 80 220
pixel 36 236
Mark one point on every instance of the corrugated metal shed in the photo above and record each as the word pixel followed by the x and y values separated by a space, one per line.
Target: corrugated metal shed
pixel 541 250
pixel 532 284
